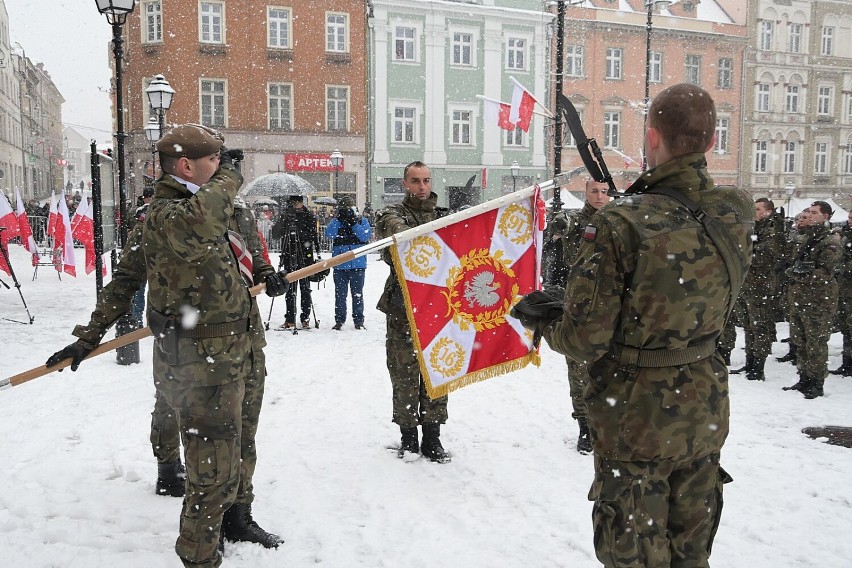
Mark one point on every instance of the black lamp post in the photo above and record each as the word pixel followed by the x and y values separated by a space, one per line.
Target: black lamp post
pixel 790 190
pixel 116 12
pixel 515 169
pixel 152 133
pixel 336 162
pixel 649 28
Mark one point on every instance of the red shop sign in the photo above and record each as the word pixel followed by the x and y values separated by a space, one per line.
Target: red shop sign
pixel 309 163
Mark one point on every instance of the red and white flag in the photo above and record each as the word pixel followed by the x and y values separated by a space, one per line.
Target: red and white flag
pixel 53 215
pixel 496 112
pixel 24 227
pixel 8 220
pixel 521 110
pixel 63 240
pixel 83 229
pixel 460 282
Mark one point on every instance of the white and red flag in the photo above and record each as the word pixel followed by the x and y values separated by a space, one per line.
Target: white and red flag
pixel 461 280
pixel 10 222
pixel 83 229
pixel 521 111
pixel 63 240
pixel 24 227
pixel 496 112
pixel 53 215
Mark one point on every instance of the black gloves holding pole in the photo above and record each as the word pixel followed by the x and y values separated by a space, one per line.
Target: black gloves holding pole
pixel 276 283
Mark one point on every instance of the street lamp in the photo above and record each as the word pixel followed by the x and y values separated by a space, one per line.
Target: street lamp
pixel 116 12
pixel 790 190
pixel 336 162
pixel 516 169
pixel 160 95
pixel 152 133
pixel 649 27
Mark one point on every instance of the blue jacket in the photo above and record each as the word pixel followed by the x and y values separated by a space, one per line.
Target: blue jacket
pixel 345 238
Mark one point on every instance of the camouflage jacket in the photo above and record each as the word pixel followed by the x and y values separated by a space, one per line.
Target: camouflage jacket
pixel 811 276
pixel 844 269
pixel 563 243
pixel 761 282
pixel 412 212
pixel 648 277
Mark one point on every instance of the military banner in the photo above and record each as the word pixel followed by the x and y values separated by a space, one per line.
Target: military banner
pixel 460 282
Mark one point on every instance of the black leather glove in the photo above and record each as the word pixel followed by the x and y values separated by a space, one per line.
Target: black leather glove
pixel 230 157
pixel 347 216
pixel 77 351
pixel 276 283
pixel 539 308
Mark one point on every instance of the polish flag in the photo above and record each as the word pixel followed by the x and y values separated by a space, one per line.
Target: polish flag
pixel 53 216
pixel 264 248
pixel 8 220
pixel 26 231
pixel 63 240
pixel 521 110
pixel 83 229
pixel 497 113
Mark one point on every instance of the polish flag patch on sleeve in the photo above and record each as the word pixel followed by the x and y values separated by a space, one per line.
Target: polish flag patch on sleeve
pixel 590 233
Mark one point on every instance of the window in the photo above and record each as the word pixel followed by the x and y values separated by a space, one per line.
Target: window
pixel 794 45
pixel 152 26
pixel 761 153
pixel 574 60
pixel 692 69
pixel 280 106
pixel 404 43
pixel 656 75
pixel 515 137
pixel 827 40
pixel 725 73
pixel 569 138
pixel 848 166
pixel 824 99
pixel 821 158
pixel 404 124
pixel 763 97
pixel 612 126
pixel 789 157
pixel 516 54
pixel 279 31
pixel 765 40
pixel 722 131
pixel 849 109
pixel 213 99
pixel 792 98
pixel 613 62
pixel 211 26
pixel 337 108
pixel 462 46
pixel 460 127
pixel 337 32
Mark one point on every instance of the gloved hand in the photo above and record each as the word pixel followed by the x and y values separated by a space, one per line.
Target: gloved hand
pixel 77 351
pixel 276 283
pixel 347 216
pixel 230 157
pixel 540 308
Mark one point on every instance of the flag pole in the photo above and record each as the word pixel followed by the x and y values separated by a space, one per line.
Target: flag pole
pixel 378 245
pixel 484 98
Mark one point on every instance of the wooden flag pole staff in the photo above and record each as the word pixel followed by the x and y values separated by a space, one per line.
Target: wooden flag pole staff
pixel 309 270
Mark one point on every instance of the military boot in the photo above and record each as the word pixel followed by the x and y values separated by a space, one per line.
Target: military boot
pixel 813 388
pixel 799 386
pixel 845 369
pixel 726 356
pixel 756 371
pixel 789 357
pixel 431 445
pixel 171 478
pixel 408 443
pixel 237 525
pixel 584 440
pixel 749 363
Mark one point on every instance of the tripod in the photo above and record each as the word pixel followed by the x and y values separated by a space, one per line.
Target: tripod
pixel 5 254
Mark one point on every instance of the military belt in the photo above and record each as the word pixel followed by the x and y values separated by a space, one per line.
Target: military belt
pixel 656 358
pixel 211 330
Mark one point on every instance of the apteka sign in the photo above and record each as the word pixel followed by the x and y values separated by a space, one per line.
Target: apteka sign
pixel 309 163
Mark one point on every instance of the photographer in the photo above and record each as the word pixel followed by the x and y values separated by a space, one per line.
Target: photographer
pixel 297 228
pixel 348 231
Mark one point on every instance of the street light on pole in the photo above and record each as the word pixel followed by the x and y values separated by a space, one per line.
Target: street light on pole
pixel 516 169
pixel 116 12
pixel 152 133
pixel 336 162
pixel 160 95
pixel 649 28
pixel 790 190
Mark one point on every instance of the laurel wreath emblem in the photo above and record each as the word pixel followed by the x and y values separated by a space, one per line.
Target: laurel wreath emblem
pixel 420 255
pixel 489 319
pixel 447 357
pixel 516 220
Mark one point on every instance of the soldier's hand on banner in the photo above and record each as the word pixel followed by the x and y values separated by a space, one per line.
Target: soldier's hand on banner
pixel 539 308
pixel 276 283
pixel 77 351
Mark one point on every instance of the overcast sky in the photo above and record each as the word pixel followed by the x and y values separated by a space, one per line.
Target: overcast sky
pixel 72 40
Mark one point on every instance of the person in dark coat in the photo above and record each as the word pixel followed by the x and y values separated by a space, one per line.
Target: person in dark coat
pixel 297 229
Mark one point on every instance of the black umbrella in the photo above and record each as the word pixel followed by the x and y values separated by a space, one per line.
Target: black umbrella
pixel 277 185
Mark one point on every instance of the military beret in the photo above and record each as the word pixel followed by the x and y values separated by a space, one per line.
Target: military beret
pixel 189 140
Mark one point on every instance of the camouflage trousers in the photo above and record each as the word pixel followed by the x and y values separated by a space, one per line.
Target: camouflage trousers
pixel 810 330
pixel 411 405
pixel 758 321
pixel 165 431
pixel 844 317
pixel 656 514
pixel 578 378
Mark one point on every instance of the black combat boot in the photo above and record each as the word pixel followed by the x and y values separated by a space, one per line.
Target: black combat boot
pixel 789 357
pixel 237 525
pixel 756 371
pixel 749 363
pixel 431 446
pixel 584 440
pixel 813 388
pixel 171 478
pixel 726 356
pixel 408 443
pixel 799 386
pixel 845 369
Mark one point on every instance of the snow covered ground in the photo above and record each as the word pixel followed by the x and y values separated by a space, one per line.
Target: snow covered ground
pixel 78 473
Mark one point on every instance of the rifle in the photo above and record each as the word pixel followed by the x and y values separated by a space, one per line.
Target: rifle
pixel 593 159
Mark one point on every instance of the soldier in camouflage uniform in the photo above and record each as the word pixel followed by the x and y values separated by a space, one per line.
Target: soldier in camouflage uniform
pixel 644 306
pixel 411 405
pixel 795 239
pixel 597 195
pixel 844 303
pixel 812 296
pixel 758 293
pixel 207 354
